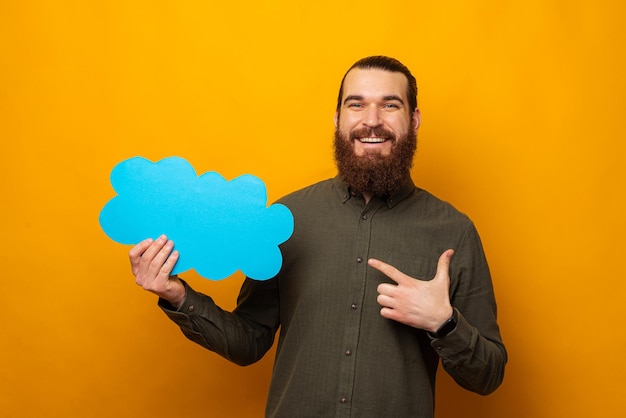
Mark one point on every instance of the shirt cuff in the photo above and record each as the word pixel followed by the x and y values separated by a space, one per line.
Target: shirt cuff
pixel 191 305
pixel 457 340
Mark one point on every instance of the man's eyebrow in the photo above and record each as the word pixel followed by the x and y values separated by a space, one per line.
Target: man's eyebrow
pixel 352 97
pixel 391 97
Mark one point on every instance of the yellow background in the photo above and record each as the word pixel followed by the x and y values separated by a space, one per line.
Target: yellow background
pixel 523 129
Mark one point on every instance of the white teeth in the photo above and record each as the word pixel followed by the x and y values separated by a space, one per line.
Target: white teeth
pixel 372 140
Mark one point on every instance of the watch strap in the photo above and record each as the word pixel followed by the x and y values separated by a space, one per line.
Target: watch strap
pixel 447 327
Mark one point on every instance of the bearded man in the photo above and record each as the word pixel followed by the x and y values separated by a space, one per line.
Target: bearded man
pixel 380 279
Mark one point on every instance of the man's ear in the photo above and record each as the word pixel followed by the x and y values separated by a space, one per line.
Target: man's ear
pixel 336 119
pixel 417 119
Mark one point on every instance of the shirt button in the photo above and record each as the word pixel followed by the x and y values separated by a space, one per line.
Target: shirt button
pixel 348 352
pixel 359 259
pixel 364 217
pixel 343 400
pixel 191 308
pixel 353 306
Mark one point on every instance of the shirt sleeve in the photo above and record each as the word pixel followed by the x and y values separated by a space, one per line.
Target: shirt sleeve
pixel 473 353
pixel 242 336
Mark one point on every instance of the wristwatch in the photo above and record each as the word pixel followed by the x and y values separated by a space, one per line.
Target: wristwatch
pixel 447 327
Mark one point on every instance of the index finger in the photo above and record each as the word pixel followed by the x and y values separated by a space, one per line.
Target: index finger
pixel 139 249
pixel 388 270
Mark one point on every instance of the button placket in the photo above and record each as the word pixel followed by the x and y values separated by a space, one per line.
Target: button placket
pixel 352 329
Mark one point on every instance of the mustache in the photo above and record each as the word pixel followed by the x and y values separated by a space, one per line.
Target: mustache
pixel 377 131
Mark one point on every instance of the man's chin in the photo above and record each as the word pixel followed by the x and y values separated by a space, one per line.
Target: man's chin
pixel 373 155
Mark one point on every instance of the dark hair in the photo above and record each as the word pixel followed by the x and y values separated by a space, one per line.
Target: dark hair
pixel 382 62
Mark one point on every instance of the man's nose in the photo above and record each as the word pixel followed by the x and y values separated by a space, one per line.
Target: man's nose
pixel 372 116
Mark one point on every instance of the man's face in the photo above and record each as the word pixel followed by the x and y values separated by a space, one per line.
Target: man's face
pixel 374 111
pixel 375 136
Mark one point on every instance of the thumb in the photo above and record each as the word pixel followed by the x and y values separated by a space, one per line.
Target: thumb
pixel 443 265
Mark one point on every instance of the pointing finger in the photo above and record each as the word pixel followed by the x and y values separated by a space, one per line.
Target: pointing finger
pixel 388 270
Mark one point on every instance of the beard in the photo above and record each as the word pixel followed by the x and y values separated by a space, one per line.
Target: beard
pixel 373 173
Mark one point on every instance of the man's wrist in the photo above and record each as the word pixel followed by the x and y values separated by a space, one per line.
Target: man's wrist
pixel 447 326
pixel 178 293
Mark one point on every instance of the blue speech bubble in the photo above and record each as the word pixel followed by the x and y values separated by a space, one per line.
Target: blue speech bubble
pixel 218 226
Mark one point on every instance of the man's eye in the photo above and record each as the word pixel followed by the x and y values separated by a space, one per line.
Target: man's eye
pixel 390 106
pixel 355 105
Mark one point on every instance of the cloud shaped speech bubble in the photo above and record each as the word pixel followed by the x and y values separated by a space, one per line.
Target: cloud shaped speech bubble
pixel 217 226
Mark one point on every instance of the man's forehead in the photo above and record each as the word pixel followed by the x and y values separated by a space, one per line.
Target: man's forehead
pixel 374 82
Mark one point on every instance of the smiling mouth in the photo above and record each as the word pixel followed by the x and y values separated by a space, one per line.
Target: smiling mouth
pixel 375 135
pixel 373 140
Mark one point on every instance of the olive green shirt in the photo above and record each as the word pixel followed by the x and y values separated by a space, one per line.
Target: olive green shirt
pixel 336 355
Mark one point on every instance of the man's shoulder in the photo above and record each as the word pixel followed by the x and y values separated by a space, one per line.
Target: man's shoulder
pixel 435 207
pixel 322 187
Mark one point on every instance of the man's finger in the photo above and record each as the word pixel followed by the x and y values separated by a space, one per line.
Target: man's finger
pixel 443 265
pixel 164 251
pixel 169 264
pixel 138 249
pixel 388 270
pixel 135 253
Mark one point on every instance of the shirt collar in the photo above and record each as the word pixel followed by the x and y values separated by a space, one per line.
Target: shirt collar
pixel 345 193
